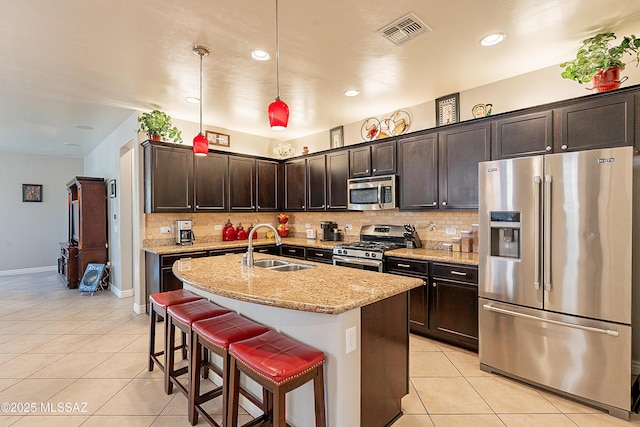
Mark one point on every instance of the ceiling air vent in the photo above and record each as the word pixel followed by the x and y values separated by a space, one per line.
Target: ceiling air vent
pixel 404 29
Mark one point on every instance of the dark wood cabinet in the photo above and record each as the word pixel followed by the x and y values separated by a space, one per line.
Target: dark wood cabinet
pixel 168 178
pixel 87 228
pixel 603 122
pixel 523 135
pixel 337 177
pixel 418 297
pixel 242 183
pixel 375 159
pixel 453 304
pixel 210 182
pixel 268 186
pixel 295 185
pixel 418 172
pixel 316 183
pixel 299 252
pixel 460 150
pixel 320 255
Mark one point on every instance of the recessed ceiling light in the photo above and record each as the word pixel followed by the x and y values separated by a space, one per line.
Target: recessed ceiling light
pixel 351 92
pixel 84 127
pixel 192 100
pixel 71 144
pixel 260 55
pixel 492 39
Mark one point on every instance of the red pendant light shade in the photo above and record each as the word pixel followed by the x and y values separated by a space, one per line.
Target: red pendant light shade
pixel 200 145
pixel 278 115
pixel 200 142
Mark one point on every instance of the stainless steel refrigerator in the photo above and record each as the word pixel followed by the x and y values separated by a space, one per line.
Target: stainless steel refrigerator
pixel 555 273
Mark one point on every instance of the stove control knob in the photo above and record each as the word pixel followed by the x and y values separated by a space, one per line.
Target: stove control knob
pixel 373 255
pixel 366 254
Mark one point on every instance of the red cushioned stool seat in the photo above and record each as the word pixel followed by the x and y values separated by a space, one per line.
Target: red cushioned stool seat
pixel 158 309
pixel 182 316
pixel 279 364
pixel 215 335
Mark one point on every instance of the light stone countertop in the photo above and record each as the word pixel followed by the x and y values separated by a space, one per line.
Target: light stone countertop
pixel 325 289
pixel 435 255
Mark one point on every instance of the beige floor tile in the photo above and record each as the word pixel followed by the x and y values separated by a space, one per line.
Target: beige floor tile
pixel 568 406
pixel 175 421
pixel 90 394
pixel 411 403
pixel 418 343
pixel 27 364
pixel 24 343
pixel 34 391
pixel 6 383
pixel 5 357
pixel 508 396
pixel 98 327
pixel 119 421
pixel 138 325
pixel 467 363
pixel 138 397
pixel 414 421
pixel 120 365
pixel 28 314
pixel 466 420
pixel 67 343
pixel 50 421
pixel 9 420
pixel 431 364
pixel 107 344
pixel 18 327
pixel 72 365
pixel 140 345
pixel 602 420
pixel 536 420
pixel 451 395
pixel 60 327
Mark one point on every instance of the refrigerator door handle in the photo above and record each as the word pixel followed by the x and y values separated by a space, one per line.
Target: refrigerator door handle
pixel 547 232
pixel 609 332
pixel 537 180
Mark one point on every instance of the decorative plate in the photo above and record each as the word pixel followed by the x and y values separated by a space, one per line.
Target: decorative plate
pixel 370 129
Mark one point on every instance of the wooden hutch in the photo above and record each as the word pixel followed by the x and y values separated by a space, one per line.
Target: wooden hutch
pixel 87 228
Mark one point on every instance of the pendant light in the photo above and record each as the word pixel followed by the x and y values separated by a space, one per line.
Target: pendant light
pixel 200 142
pixel 278 110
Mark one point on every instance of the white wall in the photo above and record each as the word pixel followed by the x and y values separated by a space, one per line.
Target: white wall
pixel 29 231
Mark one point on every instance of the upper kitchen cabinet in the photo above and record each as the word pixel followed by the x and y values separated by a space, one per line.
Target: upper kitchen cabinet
pixel 337 176
pixel 523 135
pixel 268 186
pixel 460 149
pixel 606 121
pixel 418 172
pixel 242 183
pixel 374 159
pixel 210 179
pixel 316 183
pixel 168 178
pixel 295 185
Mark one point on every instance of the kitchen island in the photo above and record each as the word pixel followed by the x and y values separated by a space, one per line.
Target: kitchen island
pixel 358 318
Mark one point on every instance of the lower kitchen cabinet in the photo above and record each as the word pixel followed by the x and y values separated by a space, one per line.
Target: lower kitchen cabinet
pixel 453 304
pixel 418 297
pixel 320 255
pixel 299 252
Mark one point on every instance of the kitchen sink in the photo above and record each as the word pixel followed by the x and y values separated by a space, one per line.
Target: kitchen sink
pixel 291 267
pixel 268 263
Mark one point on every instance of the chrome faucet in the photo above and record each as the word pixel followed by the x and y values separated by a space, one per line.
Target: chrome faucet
pixel 247 259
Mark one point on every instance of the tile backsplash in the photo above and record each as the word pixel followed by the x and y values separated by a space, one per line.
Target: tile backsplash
pixel 431 226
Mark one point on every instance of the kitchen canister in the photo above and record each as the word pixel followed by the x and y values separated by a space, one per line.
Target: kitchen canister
pixel 467 241
pixel 474 232
pixel 456 244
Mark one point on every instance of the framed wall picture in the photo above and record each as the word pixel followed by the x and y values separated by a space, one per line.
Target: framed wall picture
pixel 336 137
pixel 219 139
pixel 112 188
pixel 31 192
pixel 447 109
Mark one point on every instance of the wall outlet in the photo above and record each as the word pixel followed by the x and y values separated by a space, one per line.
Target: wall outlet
pixel 307 225
pixel 351 340
pixel 451 230
pixel 217 227
pixel 348 227
pixel 165 230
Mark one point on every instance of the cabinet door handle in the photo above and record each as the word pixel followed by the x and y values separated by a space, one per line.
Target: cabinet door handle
pixel 258 206
pixel 458 273
pixel 322 206
pixel 548 148
pixel 434 204
pixel 253 207
pixel 564 147
pixel 197 206
pixel 444 203
pixel 291 251
pixel 319 254
pixel 404 265
pixel 303 206
pixel 434 284
pixel 375 169
pixel 189 206
pixel 367 171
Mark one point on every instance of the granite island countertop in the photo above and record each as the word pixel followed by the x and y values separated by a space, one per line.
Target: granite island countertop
pixel 325 289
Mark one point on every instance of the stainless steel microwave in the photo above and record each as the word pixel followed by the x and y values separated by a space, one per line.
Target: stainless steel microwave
pixel 372 194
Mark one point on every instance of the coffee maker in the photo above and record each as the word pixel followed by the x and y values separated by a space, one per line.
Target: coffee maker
pixel 184 232
pixel 327 229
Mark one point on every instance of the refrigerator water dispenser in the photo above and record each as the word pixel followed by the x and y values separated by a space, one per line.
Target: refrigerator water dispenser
pixel 505 234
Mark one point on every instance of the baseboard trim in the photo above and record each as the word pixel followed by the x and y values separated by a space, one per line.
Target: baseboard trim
pixel 121 294
pixel 635 367
pixel 139 308
pixel 29 270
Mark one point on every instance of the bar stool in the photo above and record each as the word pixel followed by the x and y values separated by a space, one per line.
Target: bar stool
pixel 279 364
pixel 215 335
pixel 182 316
pixel 159 303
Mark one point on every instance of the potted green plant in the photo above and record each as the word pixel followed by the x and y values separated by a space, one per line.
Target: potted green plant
pixel 157 124
pixel 600 60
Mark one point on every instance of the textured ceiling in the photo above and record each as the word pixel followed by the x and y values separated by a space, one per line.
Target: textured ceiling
pixel 92 62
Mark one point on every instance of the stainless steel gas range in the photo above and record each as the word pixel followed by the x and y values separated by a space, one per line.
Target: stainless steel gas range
pixel 368 253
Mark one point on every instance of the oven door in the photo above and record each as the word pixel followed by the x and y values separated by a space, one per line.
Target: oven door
pixel 361 263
